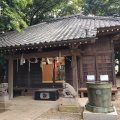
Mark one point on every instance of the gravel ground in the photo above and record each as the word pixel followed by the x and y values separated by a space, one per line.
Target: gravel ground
pixel 55 115
pixel 117 104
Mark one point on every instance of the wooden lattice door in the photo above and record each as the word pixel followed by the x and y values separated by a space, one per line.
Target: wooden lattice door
pixel 88 68
pixel 104 66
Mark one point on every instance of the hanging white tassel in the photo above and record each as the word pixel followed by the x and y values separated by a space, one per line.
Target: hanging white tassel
pixel 40 64
pixel 47 61
pixel 36 60
pixel 57 59
pixel 21 60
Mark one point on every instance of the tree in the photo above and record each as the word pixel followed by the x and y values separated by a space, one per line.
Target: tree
pixel 18 14
pixel 70 8
pixel 101 7
pixel 11 17
pixel 46 9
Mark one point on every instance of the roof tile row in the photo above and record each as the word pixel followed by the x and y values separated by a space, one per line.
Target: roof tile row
pixel 63 29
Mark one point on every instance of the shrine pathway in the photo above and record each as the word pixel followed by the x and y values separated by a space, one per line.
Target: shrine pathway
pixel 26 108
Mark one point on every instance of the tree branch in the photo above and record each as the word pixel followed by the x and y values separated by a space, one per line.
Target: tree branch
pixel 31 20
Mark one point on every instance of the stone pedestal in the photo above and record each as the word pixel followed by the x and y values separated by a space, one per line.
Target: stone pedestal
pixel 69 101
pixel 4 104
pixel 69 105
pixel 69 108
pixel 99 116
pixel 4 98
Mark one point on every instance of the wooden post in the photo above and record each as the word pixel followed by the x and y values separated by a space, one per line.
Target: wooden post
pixel 96 68
pixel 28 74
pixel 10 78
pixel 74 71
pixel 28 79
pixel 81 73
pixel 113 69
pixel 54 71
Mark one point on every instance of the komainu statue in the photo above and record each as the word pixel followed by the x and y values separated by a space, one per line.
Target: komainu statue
pixel 68 90
pixel 3 89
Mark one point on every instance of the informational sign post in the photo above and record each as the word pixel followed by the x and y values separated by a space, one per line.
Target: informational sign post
pixel 90 77
pixel 104 78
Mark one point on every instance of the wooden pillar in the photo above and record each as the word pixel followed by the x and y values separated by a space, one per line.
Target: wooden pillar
pixel 28 74
pixel 10 78
pixel 54 70
pixel 28 79
pixel 113 69
pixel 74 71
pixel 81 73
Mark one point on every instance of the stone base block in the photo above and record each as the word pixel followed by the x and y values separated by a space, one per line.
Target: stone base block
pixel 69 108
pixel 4 105
pixel 4 98
pixel 100 116
pixel 69 101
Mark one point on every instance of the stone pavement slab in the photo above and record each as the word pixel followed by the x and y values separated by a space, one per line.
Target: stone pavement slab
pixel 26 108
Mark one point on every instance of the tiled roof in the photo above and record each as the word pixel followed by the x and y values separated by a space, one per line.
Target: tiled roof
pixel 62 29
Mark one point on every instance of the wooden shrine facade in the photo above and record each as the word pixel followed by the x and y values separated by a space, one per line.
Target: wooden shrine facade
pixel 49 64
pixel 88 59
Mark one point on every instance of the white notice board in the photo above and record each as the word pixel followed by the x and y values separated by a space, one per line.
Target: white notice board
pixel 104 78
pixel 90 77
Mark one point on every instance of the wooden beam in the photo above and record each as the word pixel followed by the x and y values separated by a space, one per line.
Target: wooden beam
pixel 105 33
pixel 10 78
pixel 66 52
pixel 89 53
pixel 49 44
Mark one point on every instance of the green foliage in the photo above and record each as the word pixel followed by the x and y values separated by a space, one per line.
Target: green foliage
pixel 17 14
pixel 69 8
pixel 101 7
pixel 41 10
pixel 11 17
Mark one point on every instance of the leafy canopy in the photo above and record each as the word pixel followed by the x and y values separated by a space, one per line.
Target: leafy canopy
pixel 11 17
pixel 101 7
pixel 17 14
